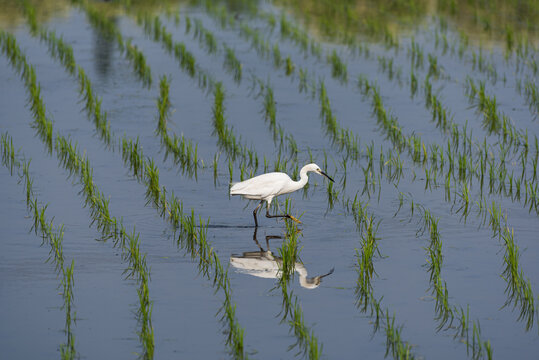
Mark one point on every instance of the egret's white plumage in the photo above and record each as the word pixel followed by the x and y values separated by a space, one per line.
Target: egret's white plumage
pixel 267 186
pixel 263 264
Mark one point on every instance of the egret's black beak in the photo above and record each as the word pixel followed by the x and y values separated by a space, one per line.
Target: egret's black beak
pixel 329 273
pixel 326 175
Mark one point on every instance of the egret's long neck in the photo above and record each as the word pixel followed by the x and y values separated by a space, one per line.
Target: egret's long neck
pixel 303 178
pixel 302 272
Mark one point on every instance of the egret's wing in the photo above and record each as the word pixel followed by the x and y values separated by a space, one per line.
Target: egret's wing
pixel 261 186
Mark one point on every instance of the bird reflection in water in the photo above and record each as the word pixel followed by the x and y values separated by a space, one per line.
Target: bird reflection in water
pixel 264 264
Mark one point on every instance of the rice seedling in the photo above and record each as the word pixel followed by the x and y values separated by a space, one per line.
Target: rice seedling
pixel 338 67
pixel 270 108
pixel 369 248
pixel 232 63
pixel 415 52
pixel 289 66
pixel 154 28
pixel 518 288
pixel 532 96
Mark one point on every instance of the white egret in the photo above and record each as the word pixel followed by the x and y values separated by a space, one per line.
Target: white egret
pixel 267 186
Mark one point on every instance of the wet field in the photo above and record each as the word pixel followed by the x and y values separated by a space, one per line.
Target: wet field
pixel 123 125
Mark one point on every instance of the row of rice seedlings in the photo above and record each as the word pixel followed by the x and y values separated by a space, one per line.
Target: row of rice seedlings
pixel 109 29
pixel 364 291
pixel 192 237
pixel 70 158
pixel 173 209
pixel 57 47
pixel 112 228
pixel 508 135
pixel 448 316
pixel 264 89
pixel 442 115
pixel 291 307
pixel 63 52
pixel 286 143
pixel 18 61
pixel 51 234
pixel 439 113
pixel 465 193
pixel 518 290
pixel 184 152
pixel 252 158
pixel 157 31
pixel 463 161
pixel 227 139
pixel 233 65
pixel 346 137
pixel 435 259
pixel 343 138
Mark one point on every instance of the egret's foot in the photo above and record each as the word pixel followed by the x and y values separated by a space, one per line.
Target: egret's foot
pixel 293 218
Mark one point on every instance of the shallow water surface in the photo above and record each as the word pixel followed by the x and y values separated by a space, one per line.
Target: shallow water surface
pixel 425 246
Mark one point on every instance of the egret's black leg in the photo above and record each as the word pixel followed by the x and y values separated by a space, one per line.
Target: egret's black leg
pixel 281 216
pixel 254 213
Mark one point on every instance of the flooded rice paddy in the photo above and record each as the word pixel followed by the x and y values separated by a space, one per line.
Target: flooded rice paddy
pixel 124 123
